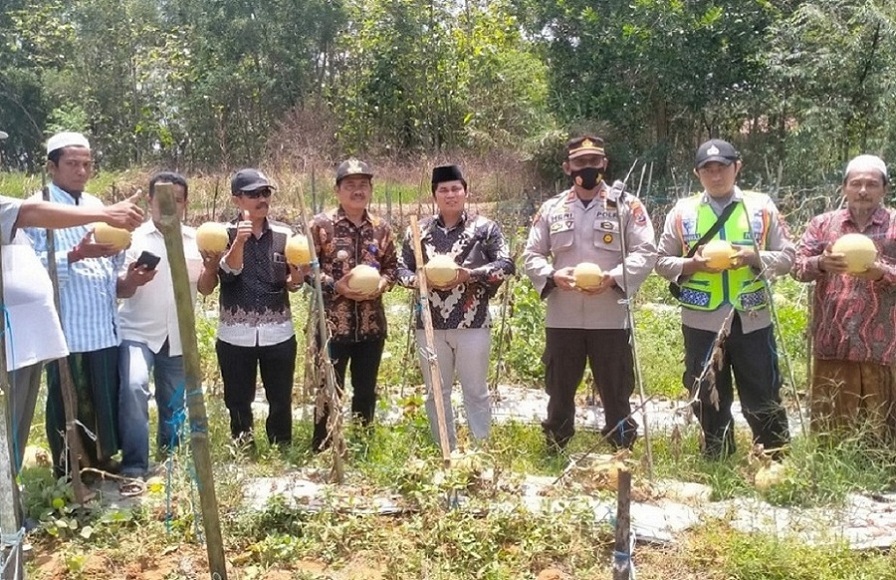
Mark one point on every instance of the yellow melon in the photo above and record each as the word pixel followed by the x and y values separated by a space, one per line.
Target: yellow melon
pixel 103 233
pixel 718 254
pixel 212 237
pixel 364 279
pixel 858 250
pixel 297 251
pixel 441 269
pixel 588 276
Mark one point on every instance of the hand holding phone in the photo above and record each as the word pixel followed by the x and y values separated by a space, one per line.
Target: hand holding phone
pixel 148 260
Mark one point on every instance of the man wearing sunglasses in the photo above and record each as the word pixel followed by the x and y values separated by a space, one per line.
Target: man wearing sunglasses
pixel 255 329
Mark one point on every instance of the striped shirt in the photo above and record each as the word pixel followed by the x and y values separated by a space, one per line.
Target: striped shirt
pixel 87 287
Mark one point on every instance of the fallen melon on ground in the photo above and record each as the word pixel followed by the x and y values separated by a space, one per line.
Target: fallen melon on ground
pixel 297 251
pixel 858 250
pixel 103 233
pixel 212 237
pixel 364 279
pixel 441 269
pixel 588 276
pixel 718 254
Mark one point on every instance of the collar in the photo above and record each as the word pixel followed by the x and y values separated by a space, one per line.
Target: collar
pixel 340 215
pixel 737 195
pixel 879 217
pixel 149 227
pixel 463 220
pixel 56 190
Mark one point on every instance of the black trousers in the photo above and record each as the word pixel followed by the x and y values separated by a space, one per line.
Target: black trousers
pixel 365 360
pixel 609 354
pixel 239 365
pixel 754 360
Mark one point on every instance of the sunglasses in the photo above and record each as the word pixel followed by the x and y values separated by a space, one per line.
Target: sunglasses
pixel 264 192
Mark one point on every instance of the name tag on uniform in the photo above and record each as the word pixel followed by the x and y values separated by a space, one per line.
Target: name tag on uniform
pixel 562 222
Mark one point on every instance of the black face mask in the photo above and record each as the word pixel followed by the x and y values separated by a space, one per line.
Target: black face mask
pixel 587 178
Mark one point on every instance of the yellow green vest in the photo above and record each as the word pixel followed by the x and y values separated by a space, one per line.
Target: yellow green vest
pixel 737 287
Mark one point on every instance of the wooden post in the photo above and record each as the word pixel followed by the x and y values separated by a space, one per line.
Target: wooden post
pixel 426 315
pixel 622 556
pixel 10 514
pixel 186 321
pixel 67 385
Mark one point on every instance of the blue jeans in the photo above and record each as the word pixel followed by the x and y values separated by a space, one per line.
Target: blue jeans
pixel 136 361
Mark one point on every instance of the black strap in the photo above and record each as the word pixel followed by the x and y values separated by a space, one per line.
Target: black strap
pixel 720 223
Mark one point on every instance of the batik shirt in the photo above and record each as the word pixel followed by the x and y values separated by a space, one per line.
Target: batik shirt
pixel 854 319
pixel 475 243
pixel 341 245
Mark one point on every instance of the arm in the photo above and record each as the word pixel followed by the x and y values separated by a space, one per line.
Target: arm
pixel 501 266
pixel 536 262
pixel 407 264
pixel 778 259
pixel 640 241
pixel 671 261
pixel 810 250
pixel 37 213
pixel 208 277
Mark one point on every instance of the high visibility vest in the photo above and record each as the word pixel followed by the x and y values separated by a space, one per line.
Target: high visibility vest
pixel 738 287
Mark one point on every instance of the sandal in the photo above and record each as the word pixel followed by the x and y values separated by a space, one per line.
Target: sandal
pixel 131 488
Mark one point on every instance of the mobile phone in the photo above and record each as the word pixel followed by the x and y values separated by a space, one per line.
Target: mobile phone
pixel 149 260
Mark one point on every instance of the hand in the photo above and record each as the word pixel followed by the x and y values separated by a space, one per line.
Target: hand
pixel 874 272
pixel 138 275
pixel 243 229
pixel 211 260
pixel 125 214
pixel 606 283
pixel 89 248
pixel 564 279
pixel 296 277
pixel 698 263
pixel 341 287
pixel 832 263
pixel 745 256
pixel 461 276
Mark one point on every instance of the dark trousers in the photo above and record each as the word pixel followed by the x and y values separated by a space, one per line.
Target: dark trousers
pixel 365 360
pixel 754 360
pixel 239 365
pixel 609 354
pixel 95 378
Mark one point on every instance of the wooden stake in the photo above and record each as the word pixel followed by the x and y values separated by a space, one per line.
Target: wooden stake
pixel 433 360
pixel 186 321
pixel 622 556
pixel 10 514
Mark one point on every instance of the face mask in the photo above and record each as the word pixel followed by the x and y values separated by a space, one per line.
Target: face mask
pixel 587 178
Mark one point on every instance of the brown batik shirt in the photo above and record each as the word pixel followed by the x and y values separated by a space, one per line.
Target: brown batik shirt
pixel 341 245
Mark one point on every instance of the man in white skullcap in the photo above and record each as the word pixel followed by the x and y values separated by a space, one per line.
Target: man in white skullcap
pixel 87 273
pixel 854 316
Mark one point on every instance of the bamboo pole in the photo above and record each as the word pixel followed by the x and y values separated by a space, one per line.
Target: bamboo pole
pixel 434 371
pixel 505 304
pixel 334 423
pixel 10 514
pixel 622 548
pixel 73 440
pixel 199 444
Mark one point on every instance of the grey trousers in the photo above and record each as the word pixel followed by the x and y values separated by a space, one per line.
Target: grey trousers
pixel 25 384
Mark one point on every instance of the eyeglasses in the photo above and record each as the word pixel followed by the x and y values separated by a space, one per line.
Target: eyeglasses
pixel 264 192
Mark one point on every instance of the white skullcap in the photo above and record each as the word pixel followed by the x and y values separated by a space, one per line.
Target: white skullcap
pixel 866 163
pixel 3 135
pixel 66 139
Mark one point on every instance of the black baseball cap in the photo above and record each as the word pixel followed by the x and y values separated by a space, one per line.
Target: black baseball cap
pixel 716 150
pixel 249 180
pixel 352 167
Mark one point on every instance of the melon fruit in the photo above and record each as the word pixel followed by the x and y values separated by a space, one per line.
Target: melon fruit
pixel 212 237
pixel 297 251
pixel 440 270
pixel 364 279
pixel 858 250
pixel 718 254
pixel 103 233
pixel 588 276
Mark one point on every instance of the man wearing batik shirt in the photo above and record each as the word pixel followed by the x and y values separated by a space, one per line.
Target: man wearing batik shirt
pixel 854 315
pixel 344 238
pixel 255 329
pixel 460 316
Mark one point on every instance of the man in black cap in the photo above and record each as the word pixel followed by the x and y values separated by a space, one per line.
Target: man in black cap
pixel 731 299
pixel 255 329
pixel 459 306
pixel 345 237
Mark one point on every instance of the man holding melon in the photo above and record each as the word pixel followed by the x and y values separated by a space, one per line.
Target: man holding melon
pixel 718 248
pixel 466 261
pixel 850 254
pixel 575 259
pixel 357 264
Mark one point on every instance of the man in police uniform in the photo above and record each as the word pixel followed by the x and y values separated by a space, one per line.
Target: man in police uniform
pixel 733 300
pixel 582 225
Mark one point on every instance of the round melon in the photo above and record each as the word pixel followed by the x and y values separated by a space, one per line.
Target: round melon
pixel 441 269
pixel 212 237
pixel 297 251
pixel 364 279
pixel 588 276
pixel 858 250
pixel 103 233
pixel 719 254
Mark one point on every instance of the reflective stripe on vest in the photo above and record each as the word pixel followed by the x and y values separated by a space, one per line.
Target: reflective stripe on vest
pixel 737 287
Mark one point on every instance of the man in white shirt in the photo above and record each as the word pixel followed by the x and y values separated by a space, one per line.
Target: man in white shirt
pixel 150 338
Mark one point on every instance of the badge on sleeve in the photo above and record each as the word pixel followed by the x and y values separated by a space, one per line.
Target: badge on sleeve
pixel 638 213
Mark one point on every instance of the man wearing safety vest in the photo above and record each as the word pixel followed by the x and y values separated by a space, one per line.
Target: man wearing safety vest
pixel 727 295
